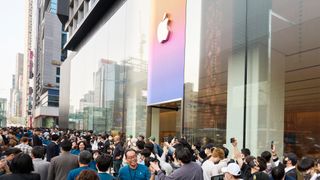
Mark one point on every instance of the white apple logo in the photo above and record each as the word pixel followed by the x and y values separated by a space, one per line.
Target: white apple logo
pixel 163 29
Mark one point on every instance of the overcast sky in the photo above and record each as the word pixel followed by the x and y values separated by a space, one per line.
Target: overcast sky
pixel 12 41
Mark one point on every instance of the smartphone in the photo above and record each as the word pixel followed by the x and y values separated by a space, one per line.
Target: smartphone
pixel 271 145
pixel 232 140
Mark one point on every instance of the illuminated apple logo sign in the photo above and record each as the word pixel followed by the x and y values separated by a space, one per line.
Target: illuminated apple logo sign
pixel 163 31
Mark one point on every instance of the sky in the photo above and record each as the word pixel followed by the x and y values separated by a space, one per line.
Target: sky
pixel 11 41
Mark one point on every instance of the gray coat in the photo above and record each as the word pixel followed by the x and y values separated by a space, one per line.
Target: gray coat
pixel 190 171
pixel 61 165
pixel 41 167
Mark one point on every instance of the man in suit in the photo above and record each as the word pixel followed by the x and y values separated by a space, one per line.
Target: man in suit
pixel 53 148
pixel 290 161
pixel 40 166
pixel 62 164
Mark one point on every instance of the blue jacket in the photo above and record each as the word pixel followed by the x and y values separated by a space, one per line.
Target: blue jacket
pixel 140 173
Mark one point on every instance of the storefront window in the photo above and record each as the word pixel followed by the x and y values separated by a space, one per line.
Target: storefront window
pixel 283 76
pixel 109 74
pixel 214 42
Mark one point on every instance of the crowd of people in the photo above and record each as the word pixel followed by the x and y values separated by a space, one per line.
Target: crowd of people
pixel 53 154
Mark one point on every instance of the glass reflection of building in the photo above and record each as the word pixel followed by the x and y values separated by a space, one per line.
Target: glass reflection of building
pixel 251 71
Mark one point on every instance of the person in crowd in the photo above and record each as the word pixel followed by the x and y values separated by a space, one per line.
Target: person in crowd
pixel 232 172
pixel 75 148
pixel 277 173
pixel 23 146
pixel 141 138
pixel 22 167
pixel 10 153
pixel 133 170
pixel 13 140
pixel 88 175
pixel 84 160
pixel 156 147
pixel 117 155
pixel 308 169
pixel 289 161
pixel 62 164
pixel 40 166
pixel 93 162
pixel 107 144
pixel 257 166
pixel 82 146
pixel 140 145
pixel 103 164
pixel 183 156
pixel 207 150
pixel 53 149
pixel 36 141
pixel 213 166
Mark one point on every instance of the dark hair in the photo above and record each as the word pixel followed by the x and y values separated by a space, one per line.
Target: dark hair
pixel 141 136
pixel 140 144
pixel 103 162
pixel 37 152
pixel 278 172
pixel 22 163
pixel 226 151
pixel 246 152
pixel 305 164
pixel 208 146
pixel 66 145
pixel 54 137
pixel 266 155
pixel 87 175
pixel 130 149
pixel 184 155
pixel 146 153
pixel 24 139
pixel 262 163
pixel 149 146
pixel 292 157
pixel 13 151
pixel 84 143
pixel 85 157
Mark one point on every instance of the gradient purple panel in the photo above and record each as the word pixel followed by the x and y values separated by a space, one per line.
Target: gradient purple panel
pixel 166 60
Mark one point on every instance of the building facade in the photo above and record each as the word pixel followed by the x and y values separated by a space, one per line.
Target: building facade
pixel 48 57
pixel 3 112
pixel 16 97
pixel 206 70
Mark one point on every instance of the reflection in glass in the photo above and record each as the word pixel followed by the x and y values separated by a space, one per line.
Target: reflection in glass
pixel 109 76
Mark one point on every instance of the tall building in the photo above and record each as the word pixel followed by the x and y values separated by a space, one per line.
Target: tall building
pixel 48 57
pixel 15 104
pixel 3 112
pixel 27 89
pixel 215 70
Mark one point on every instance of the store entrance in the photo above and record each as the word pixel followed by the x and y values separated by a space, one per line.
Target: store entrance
pixel 166 120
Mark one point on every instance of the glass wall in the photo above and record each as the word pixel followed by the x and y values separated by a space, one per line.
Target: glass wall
pixel 214 66
pixel 109 74
pixel 252 71
pixel 284 75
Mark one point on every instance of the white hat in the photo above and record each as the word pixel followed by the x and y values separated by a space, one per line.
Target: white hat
pixel 232 168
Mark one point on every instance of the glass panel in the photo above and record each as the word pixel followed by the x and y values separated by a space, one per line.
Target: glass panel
pixel 284 75
pixel 209 58
pixel 109 75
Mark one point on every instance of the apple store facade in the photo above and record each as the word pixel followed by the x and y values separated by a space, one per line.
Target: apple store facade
pixel 207 70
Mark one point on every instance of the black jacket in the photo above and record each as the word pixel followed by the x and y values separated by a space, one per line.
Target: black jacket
pixel 52 151
pixel 36 141
pixel 31 176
